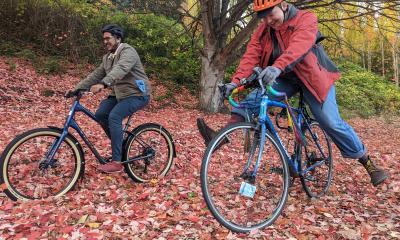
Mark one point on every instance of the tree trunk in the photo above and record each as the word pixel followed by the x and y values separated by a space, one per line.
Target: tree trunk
pixel 363 59
pixel 383 57
pixel 363 55
pixel 396 62
pixel 369 57
pixel 211 75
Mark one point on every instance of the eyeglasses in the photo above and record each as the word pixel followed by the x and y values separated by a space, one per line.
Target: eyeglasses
pixel 107 39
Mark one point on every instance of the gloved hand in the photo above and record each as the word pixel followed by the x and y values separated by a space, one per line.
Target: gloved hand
pixel 228 88
pixel 70 93
pixel 269 74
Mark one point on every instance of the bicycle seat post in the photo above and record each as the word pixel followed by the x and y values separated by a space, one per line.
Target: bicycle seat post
pixel 127 124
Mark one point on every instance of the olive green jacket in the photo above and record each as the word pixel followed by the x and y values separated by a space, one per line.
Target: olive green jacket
pixel 122 71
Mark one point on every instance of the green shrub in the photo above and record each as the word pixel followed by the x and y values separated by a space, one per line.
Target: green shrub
pixel 27 54
pixel 50 65
pixel 70 29
pixel 47 92
pixel 7 48
pixel 11 64
pixel 164 49
pixel 363 93
pixel 230 71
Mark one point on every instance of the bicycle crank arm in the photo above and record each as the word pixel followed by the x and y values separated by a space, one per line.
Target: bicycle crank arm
pixel 249 177
pixel 317 164
pixel 138 158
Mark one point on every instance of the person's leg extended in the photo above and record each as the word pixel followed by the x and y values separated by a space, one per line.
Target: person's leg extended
pixel 122 109
pixel 103 112
pixel 341 133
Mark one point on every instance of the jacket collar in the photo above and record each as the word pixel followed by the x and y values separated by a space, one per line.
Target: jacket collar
pixel 290 14
pixel 112 55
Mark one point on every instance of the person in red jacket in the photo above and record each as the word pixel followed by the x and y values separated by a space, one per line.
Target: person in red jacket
pixel 286 45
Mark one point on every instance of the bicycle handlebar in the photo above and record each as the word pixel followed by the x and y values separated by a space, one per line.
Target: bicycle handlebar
pixel 253 80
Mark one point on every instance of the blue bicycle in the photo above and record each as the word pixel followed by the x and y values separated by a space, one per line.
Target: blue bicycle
pixel 49 161
pixel 247 169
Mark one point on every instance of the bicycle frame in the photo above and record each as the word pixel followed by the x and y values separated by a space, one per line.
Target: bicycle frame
pixel 264 122
pixel 70 122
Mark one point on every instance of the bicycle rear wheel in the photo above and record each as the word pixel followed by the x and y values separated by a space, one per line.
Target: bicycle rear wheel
pixel 150 140
pixel 316 161
pixel 23 168
pixel 223 164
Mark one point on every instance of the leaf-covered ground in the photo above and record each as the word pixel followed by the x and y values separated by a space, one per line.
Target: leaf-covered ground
pixel 112 206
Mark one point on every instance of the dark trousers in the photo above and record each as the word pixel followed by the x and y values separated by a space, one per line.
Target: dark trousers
pixel 110 114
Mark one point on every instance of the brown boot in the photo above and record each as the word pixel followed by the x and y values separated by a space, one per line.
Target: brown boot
pixel 377 175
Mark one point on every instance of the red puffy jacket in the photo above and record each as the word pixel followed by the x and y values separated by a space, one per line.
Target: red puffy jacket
pixel 301 53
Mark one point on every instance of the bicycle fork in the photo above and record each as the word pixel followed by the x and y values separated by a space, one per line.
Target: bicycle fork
pixel 49 160
pixel 257 141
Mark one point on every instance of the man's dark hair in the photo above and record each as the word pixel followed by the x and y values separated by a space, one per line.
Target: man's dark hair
pixel 114 29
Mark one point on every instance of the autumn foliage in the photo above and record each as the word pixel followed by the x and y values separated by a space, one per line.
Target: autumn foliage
pixel 114 207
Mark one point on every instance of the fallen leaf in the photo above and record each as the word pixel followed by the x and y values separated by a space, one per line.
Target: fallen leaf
pixel 93 224
pixel 82 219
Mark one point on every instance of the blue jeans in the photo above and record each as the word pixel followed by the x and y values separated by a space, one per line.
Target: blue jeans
pixel 110 114
pixel 326 114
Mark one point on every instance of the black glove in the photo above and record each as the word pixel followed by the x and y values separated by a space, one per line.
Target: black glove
pixel 228 88
pixel 71 93
pixel 269 74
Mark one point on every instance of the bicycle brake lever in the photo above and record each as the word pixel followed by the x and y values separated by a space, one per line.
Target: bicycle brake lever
pixel 221 88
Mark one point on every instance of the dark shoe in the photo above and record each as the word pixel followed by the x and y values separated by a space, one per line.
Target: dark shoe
pixel 377 175
pixel 111 167
pixel 206 132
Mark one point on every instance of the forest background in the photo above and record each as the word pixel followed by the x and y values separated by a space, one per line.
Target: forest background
pixel 173 40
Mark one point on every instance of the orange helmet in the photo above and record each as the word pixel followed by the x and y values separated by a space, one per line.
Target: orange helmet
pixel 260 5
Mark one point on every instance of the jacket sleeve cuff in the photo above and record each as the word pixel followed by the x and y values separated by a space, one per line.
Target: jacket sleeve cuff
pixel 106 82
pixel 236 81
pixel 278 67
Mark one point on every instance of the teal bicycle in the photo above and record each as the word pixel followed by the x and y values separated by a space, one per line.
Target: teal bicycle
pixel 246 170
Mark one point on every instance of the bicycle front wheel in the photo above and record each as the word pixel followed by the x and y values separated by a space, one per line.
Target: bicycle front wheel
pixel 153 147
pixel 316 161
pixel 24 170
pixel 226 168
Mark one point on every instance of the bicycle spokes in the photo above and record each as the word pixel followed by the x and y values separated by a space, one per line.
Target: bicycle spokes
pixel 30 174
pixel 316 174
pixel 155 149
pixel 239 194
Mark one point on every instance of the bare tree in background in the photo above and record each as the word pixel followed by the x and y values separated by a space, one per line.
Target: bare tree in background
pixel 227 24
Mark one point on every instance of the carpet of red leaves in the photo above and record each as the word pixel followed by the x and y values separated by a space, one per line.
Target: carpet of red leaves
pixel 112 206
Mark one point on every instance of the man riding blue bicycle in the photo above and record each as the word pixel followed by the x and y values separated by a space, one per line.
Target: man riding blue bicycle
pixel 286 45
pixel 121 70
